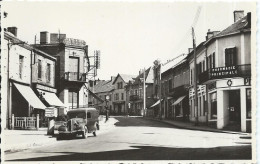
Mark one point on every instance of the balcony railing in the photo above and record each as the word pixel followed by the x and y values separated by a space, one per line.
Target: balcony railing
pixel 225 72
pixel 134 97
pixel 75 76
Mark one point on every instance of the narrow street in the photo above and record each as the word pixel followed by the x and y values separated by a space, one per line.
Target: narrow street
pixel 136 138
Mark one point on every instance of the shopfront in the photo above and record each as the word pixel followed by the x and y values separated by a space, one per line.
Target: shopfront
pixel 230 104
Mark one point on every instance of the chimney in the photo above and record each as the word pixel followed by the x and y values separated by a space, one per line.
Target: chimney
pixel 209 34
pixel 12 30
pixel 44 37
pixel 238 14
pixel 190 49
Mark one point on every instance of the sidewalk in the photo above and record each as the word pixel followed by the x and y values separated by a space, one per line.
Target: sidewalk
pixel 191 126
pixel 16 140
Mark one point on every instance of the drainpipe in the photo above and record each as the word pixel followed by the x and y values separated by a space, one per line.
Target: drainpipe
pixel 8 87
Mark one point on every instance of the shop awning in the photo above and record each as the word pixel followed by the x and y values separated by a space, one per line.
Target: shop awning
pixel 30 96
pixel 178 100
pixel 51 98
pixel 157 103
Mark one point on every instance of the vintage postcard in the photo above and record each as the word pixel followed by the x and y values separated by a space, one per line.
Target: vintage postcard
pixel 128 82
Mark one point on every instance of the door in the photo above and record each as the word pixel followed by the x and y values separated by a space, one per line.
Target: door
pixel 234 106
pixel 74 68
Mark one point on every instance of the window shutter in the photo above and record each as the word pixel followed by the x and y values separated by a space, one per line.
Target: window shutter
pixel 213 60
pixel 235 56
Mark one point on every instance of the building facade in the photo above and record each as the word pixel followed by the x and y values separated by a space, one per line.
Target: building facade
pixel 71 69
pixel 103 97
pixel 135 93
pixel 16 68
pixel 228 75
pixel 175 85
pixel 119 94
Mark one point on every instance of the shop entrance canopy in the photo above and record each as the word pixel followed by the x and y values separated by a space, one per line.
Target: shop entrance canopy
pixel 178 100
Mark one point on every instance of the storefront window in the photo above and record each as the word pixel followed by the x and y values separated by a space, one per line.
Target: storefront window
pixel 214 105
pixel 248 103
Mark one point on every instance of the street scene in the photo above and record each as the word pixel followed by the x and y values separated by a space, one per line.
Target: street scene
pixel 136 138
pixel 113 81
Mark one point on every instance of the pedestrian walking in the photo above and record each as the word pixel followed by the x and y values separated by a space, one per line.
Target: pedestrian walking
pixel 107 114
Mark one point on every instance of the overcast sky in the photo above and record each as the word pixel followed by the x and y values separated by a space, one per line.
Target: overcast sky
pixel 130 36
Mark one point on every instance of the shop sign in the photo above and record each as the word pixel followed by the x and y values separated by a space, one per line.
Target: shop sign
pixel 221 72
pixel 51 112
pixel 247 81
pixel 45 88
pixel 201 90
pixel 74 42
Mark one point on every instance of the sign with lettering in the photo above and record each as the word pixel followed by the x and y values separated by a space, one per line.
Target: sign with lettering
pixel 247 81
pixel 223 71
pixel 51 112
pixel 74 42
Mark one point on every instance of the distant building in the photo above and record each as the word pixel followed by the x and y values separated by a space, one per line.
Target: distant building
pixel 175 86
pixel 71 69
pixel 119 94
pixel 135 92
pixel 104 95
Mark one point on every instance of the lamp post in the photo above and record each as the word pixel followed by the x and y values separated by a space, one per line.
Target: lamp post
pixel 107 111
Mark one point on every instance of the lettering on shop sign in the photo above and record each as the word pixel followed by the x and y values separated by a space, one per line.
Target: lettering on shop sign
pixel 74 42
pixel 247 81
pixel 223 71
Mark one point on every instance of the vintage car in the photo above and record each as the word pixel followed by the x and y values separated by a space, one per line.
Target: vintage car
pixel 80 121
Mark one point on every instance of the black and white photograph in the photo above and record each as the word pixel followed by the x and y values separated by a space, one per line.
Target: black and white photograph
pixel 128 82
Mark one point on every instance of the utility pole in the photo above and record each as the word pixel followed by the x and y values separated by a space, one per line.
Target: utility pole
pixel 195 79
pixel 160 91
pixel 144 94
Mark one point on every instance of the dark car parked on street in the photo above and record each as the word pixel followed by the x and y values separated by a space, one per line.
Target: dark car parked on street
pixel 80 122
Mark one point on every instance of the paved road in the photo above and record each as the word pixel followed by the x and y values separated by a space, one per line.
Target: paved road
pixel 141 139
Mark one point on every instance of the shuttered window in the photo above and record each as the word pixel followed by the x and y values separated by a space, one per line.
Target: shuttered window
pixel 230 57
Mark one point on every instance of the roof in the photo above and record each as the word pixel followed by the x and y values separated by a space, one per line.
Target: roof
pixel 125 77
pixel 104 86
pixel 235 27
pixel 23 44
pixel 148 77
pixel 242 24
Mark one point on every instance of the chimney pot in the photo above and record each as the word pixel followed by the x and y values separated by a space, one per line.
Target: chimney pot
pixel 12 30
pixel 44 37
pixel 238 14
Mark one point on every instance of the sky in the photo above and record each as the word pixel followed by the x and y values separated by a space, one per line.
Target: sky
pixel 129 35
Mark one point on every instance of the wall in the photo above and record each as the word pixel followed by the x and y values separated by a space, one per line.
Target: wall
pixel 43 80
pixel 228 42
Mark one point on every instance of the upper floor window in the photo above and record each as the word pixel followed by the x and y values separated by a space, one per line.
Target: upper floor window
pixel 191 77
pixel 21 60
pixel 39 69
pixel 48 72
pixel 211 61
pixel 119 85
pixel 230 56
pixel 122 96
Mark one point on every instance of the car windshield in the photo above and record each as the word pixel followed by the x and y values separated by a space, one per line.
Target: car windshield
pixel 77 115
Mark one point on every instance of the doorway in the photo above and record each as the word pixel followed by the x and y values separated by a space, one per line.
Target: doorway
pixel 234 106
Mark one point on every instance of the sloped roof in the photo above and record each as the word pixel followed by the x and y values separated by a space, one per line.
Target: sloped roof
pixel 104 86
pixel 148 76
pixel 125 77
pixel 235 27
